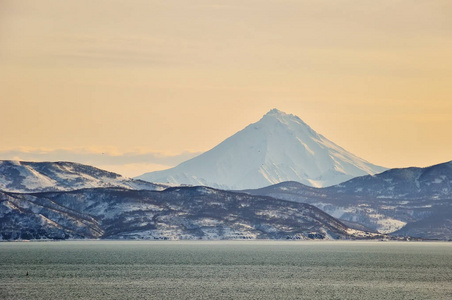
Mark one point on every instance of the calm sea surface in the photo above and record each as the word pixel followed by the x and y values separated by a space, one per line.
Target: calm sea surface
pixel 225 270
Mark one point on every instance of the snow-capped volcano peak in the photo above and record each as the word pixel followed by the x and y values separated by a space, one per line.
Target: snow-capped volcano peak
pixel 292 122
pixel 276 113
pixel 279 147
pixel 282 117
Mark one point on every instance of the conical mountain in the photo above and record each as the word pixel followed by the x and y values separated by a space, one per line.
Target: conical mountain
pixel 279 147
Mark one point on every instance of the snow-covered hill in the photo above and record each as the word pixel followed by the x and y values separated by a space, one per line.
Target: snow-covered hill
pixel 24 177
pixel 411 201
pixel 280 147
pixel 175 213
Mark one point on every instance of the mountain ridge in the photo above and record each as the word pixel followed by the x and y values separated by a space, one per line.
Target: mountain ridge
pixel 175 213
pixel 404 201
pixel 27 177
pixel 407 202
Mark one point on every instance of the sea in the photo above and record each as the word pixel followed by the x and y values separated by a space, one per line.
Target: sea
pixel 361 270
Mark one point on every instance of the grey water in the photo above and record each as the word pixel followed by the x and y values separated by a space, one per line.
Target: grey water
pixel 225 270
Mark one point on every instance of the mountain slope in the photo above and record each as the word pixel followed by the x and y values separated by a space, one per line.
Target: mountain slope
pixel 411 201
pixel 22 176
pixel 279 147
pixel 175 213
pixel 434 182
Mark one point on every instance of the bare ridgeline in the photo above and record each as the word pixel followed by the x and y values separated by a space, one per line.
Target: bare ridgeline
pixel 65 200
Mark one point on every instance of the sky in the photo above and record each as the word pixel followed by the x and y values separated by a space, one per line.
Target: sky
pixel 133 86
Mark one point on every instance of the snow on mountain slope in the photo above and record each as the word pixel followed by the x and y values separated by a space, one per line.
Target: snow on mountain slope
pixel 192 213
pixel 434 182
pixel 279 147
pixel 21 176
pixel 420 198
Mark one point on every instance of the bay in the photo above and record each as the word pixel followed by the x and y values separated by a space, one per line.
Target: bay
pixel 225 270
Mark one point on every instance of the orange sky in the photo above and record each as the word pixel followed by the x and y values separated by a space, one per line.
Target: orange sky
pixel 138 85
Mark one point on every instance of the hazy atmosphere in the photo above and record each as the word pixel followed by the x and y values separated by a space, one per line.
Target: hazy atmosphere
pixel 138 85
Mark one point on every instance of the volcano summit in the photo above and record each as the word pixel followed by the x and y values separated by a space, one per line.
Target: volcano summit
pixel 279 147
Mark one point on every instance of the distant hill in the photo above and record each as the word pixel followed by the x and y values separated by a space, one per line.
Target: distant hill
pixel 280 147
pixel 25 177
pixel 410 201
pixel 175 213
